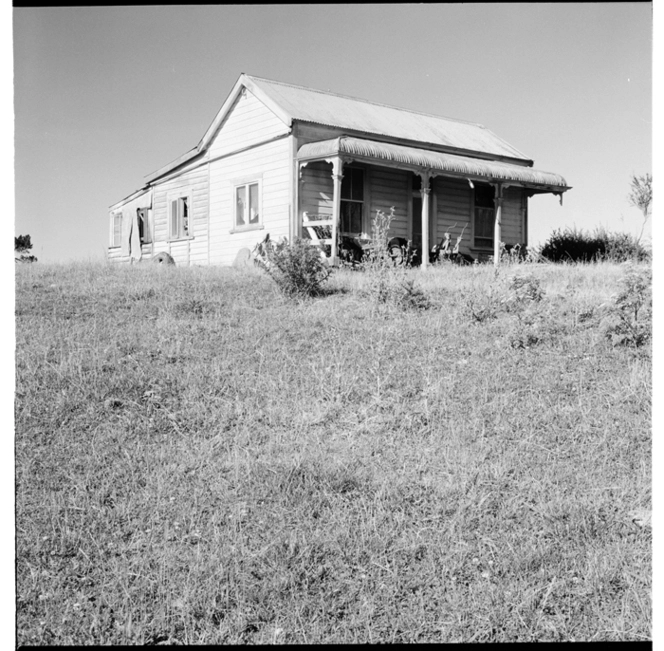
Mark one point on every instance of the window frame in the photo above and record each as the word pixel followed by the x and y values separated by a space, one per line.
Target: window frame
pixel 361 202
pixel 116 218
pixel 145 230
pixel 247 183
pixel 180 235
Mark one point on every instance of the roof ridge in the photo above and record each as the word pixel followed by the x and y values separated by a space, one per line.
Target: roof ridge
pixel 366 101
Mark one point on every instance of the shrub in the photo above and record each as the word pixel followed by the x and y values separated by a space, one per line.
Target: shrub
pixel 481 309
pixel 623 247
pixel 22 246
pixel 525 288
pixel 522 299
pixel 409 296
pixel 298 269
pixel 523 336
pixel 576 245
pixel 623 322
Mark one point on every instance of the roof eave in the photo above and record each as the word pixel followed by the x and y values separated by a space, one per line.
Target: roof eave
pixel 185 158
pixel 243 81
pixel 222 113
pixel 129 198
pixel 547 189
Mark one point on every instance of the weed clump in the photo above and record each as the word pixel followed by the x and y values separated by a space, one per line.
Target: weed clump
pixel 524 289
pixel 624 322
pixel 298 269
pixel 522 299
pixel 481 307
pixel 388 283
pixel 519 300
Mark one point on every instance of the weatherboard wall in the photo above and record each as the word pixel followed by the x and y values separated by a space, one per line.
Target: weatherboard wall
pixel 513 217
pixel 115 253
pixel 454 201
pixel 383 188
pixel 269 166
pixel 390 188
pixel 315 189
pixel 195 184
pixel 453 210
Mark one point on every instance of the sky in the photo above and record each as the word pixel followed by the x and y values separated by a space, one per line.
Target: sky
pixel 105 95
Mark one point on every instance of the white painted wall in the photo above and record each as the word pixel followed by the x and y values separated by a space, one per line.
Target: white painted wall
pixel 249 122
pixel 269 164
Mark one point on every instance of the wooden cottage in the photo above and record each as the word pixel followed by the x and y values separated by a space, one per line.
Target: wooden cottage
pixel 278 158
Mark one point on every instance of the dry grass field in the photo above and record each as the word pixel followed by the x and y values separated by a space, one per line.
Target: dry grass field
pixel 200 460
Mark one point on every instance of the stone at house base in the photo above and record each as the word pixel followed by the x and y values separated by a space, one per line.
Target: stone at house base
pixel 243 259
pixel 163 258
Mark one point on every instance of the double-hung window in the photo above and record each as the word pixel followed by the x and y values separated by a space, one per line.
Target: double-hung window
pixel 180 218
pixel 484 217
pixel 117 229
pixel 352 200
pixel 247 206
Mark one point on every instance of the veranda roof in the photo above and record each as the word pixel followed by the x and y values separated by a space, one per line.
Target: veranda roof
pixel 448 164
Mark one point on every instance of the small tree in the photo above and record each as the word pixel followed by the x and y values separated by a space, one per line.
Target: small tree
pixel 640 197
pixel 22 243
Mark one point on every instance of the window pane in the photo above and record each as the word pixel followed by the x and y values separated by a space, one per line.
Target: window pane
pixel 184 203
pixel 484 196
pixel 352 184
pixel 346 184
pixel 253 204
pixel 174 219
pixel 117 229
pixel 240 205
pixel 484 224
pixel 357 184
pixel 351 217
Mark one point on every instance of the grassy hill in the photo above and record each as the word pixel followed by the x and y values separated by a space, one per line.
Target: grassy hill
pixel 199 460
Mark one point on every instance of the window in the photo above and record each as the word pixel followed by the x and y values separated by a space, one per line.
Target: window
pixel 352 200
pixel 116 238
pixel 143 225
pixel 247 206
pixel 180 221
pixel 484 218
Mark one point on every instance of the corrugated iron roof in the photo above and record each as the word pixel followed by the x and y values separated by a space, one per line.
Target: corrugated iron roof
pixel 330 109
pixel 453 164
